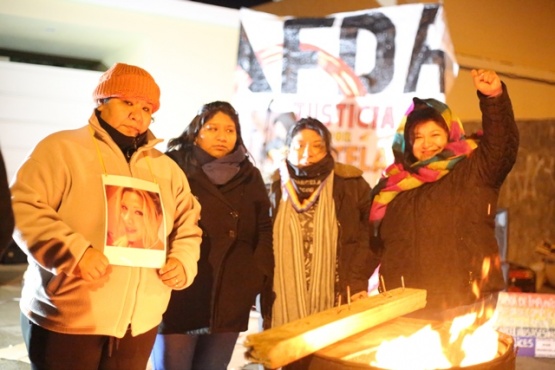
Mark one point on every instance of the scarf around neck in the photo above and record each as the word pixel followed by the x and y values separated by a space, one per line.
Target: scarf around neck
pixel 397 178
pixel 294 300
pixel 127 144
pixel 220 170
pixel 304 184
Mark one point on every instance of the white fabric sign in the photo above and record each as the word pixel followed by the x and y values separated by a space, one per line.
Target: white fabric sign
pixel 356 72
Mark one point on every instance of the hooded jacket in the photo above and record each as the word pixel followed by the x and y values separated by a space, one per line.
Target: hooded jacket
pixel 59 207
pixel 236 253
pixel 438 235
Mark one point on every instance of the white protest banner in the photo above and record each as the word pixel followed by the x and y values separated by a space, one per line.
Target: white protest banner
pixel 357 72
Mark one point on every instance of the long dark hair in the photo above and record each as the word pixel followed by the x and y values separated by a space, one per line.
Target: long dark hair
pixel 186 140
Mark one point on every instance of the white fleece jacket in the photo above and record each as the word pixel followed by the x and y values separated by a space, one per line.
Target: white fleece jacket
pixel 59 207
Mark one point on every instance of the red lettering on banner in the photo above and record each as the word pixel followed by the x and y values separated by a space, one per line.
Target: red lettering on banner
pixel 353 155
pixel 348 116
pixel 387 121
pixel 373 112
pixel 345 115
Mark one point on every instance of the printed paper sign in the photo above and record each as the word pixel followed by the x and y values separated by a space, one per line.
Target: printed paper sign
pixel 530 319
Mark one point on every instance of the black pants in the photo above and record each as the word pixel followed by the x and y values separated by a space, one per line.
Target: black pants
pixel 49 350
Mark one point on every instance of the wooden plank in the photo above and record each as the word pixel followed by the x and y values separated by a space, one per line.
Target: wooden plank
pixel 284 344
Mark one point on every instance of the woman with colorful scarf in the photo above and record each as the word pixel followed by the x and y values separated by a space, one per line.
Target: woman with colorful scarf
pixel 202 323
pixel 433 211
pixel 321 232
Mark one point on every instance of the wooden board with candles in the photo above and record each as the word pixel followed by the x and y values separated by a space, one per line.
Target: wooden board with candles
pixel 284 344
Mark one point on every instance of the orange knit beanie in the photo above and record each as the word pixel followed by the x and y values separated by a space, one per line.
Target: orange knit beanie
pixel 127 81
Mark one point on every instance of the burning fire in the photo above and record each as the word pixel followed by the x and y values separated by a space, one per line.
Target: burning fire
pixel 470 340
pixel 464 345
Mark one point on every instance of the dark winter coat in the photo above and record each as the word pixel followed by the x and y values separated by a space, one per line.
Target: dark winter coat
pixel 436 236
pixel 236 253
pixel 6 213
pixel 351 194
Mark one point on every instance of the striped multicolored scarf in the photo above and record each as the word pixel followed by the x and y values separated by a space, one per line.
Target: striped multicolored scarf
pixel 293 299
pixel 397 178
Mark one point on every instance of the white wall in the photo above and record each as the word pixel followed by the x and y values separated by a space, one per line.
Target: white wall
pixel 38 100
pixel 191 58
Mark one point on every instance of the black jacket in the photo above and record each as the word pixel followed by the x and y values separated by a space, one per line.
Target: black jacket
pixel 236 253
pixel 6 212
pixel 351 194
pixel 436 236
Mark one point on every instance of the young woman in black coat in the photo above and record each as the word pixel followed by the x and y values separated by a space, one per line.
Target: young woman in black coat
pixel 321 233
pixel 433 212
pixel 201 325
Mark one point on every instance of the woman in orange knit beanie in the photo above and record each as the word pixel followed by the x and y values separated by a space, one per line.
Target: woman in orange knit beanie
pixel 127 81
pixel 81 307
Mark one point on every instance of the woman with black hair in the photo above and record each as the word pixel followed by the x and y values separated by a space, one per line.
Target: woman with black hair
pixel 321 233
pixel 433 211
pixel 201 325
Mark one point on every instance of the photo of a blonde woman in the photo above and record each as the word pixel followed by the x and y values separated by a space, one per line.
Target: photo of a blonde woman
pixel 138 217
pixel 135 222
